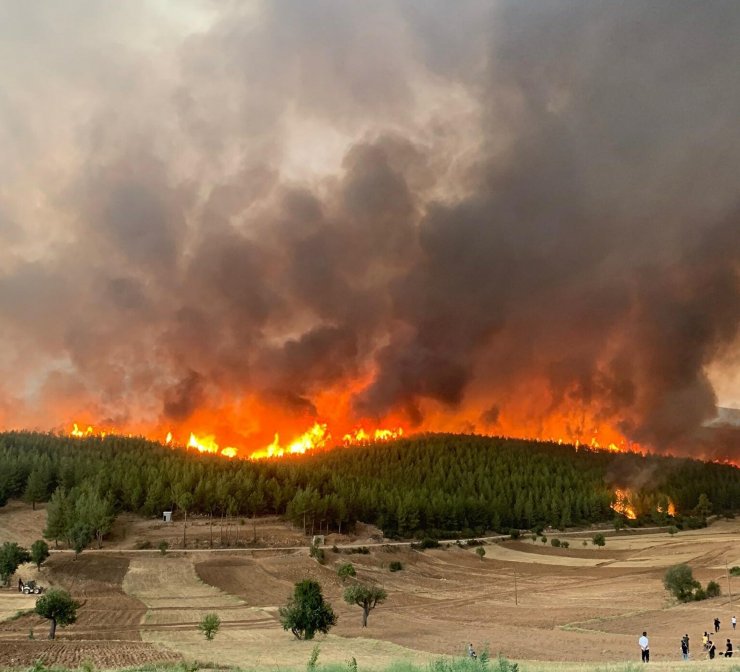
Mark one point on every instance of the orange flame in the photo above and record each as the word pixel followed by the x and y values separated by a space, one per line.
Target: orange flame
pixel 622 503
pixel 316 437
pixel 361 436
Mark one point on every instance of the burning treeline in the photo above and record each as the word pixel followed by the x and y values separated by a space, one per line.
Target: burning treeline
pixel 368 216
pixel 442 485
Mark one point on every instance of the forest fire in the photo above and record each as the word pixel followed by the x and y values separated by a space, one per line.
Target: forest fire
pixel 316 437
pixel 633 505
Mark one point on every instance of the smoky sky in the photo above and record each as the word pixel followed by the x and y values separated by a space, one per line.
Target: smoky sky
pixel 491 212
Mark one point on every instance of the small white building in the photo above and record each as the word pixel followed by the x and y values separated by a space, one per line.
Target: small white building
pixel 167 516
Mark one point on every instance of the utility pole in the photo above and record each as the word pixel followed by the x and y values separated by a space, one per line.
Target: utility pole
pixel 516 594
pixel 729 585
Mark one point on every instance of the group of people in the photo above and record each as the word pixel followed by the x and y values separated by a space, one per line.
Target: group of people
pixel 709 646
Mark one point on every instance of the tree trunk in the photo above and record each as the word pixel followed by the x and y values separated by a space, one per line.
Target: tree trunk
pixel 365 614
pixel 211 530
pixel 33 506
pixel 254 528
pixel 99 535
pixel 53 629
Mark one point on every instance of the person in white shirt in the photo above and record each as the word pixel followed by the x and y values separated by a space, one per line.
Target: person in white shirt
pixel 734 622
pixel 644 647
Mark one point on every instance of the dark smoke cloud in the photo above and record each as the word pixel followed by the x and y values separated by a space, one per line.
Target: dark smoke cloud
pixel 489 212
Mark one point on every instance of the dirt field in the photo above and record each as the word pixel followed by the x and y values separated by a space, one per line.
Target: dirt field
pixel 581 607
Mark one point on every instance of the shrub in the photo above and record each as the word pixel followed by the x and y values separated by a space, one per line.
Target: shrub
pixel 209 625
pixel 428 542
pixel 313 659
pixel 480 551
pixel 713 589
pixel 564 544
pixel 163 546
pixel 672 530
pixel 585 543
pixel 346 570
pixel 318 553
pixel 143 545
pixel 699 594
pixel 543 539
pixel 555 543
pixel 680 582
pixel 598 539
pixel 514 534
pixel 735 571
pixel 335 549
pixel 395 566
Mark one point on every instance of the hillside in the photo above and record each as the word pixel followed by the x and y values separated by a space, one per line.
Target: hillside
pixel 438 485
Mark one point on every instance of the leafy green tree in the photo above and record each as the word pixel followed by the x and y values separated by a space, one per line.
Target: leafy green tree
pixel 306 612
pixel 346 570
pixel 39 552
pixel 12 556
pixel 57 606
pixel 80 536
pixel 680 582
pixel 57 516
pixel 598 540
pixel 367 597
pixel 209 625
pixel 37 487
pixel 480 551
pixel 703 507
pixel 95 513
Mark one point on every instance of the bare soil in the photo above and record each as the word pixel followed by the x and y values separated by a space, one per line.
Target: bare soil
pixel 581 607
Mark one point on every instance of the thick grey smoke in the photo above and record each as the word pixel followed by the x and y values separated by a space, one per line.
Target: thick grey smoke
pixel 464 215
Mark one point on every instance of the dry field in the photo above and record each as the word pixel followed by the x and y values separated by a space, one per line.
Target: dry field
pixel 582 608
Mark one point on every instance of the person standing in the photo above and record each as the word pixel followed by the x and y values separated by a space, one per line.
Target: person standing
pixel 734 622
pixel 712 649
pixel 728 649
pixel 684 649
pixel 716 624
pixel 471 651
pixel 644 647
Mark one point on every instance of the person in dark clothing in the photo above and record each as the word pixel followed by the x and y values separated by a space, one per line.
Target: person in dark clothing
pixel 712 649
pixel 686 639
pixel 716 624
pixel 684 649
pixel 728 649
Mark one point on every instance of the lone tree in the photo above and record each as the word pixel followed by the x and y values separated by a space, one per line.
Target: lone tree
pixel 680 582
pixel 306 613
pixel 209 625
pixel 480 551
pixel 59 607
pixel 12 556
pixel 39 552
pixel 599 540
pixel 367 597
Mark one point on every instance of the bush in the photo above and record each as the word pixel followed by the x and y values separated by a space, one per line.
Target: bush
pixel 672 530
pixel 598 540
pixel 699 594
pixel 318 553
pixel 163 546
pixel 346 570
pixel 514 534
pixel 480 551
pixel 143 545
pixel 428 542
pixel 735 571
pixel 680 582
pixel 555 543
pixel 564 544
pixel 585 543
pixel 395 566
pixel 713 589
pixel 335 549
pixel 209 625
pixel 543 539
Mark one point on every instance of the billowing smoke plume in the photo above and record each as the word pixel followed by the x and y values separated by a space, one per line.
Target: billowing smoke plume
pixel 512 218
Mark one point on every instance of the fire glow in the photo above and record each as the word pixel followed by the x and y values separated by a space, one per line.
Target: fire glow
pixel 630 505
pixel 316 437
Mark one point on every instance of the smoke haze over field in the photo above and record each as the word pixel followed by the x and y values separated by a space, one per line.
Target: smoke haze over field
pixel 517 218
